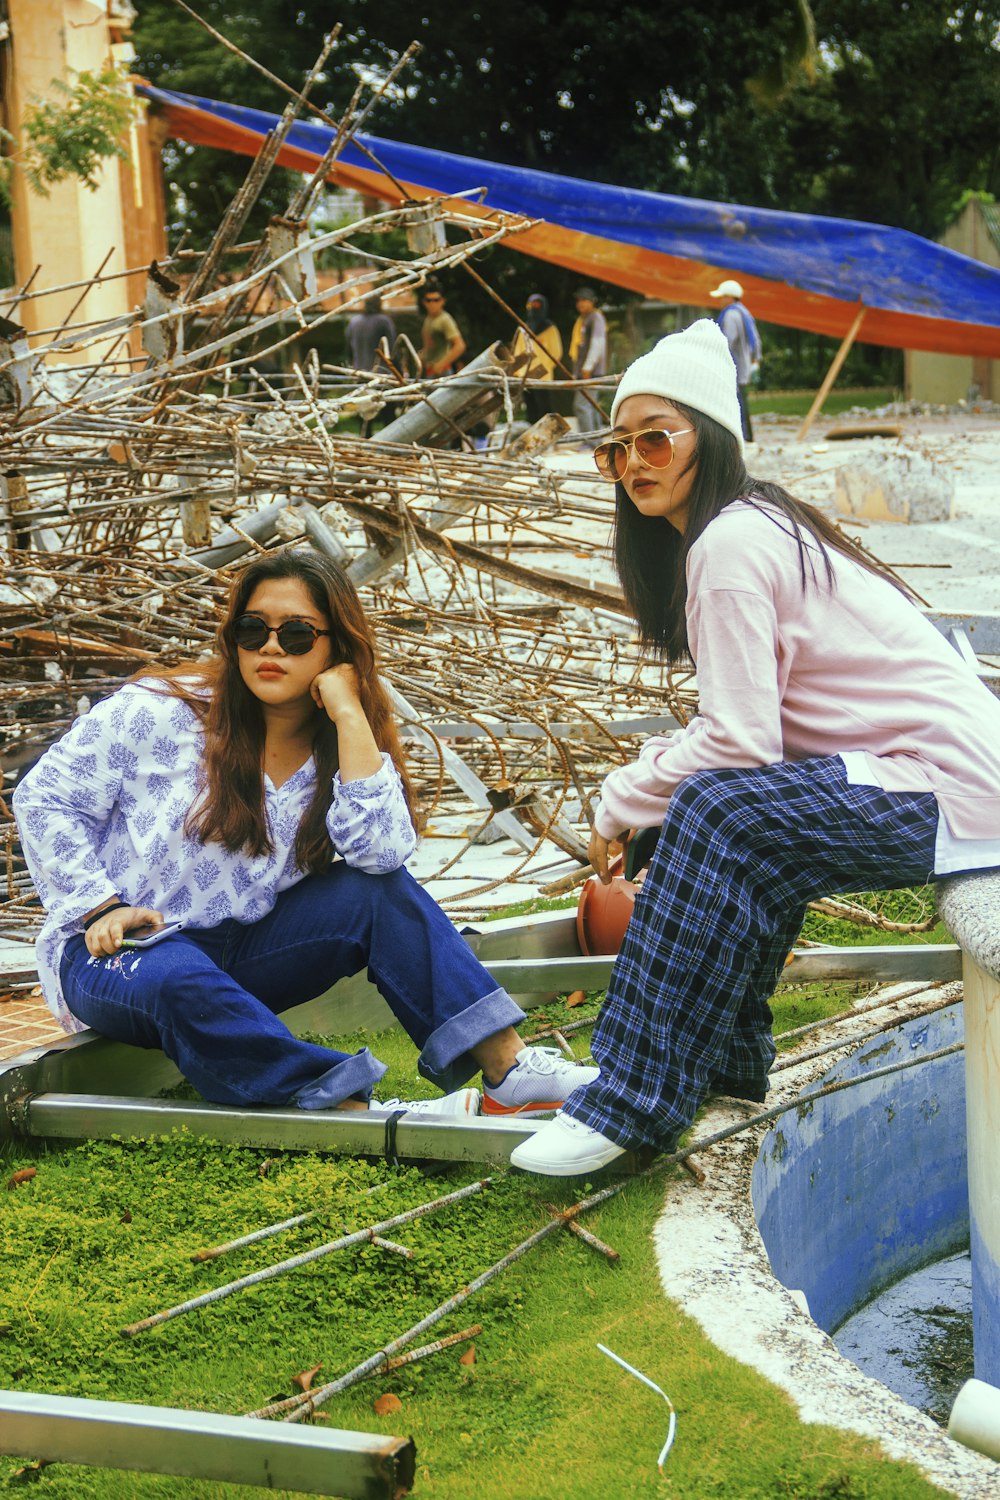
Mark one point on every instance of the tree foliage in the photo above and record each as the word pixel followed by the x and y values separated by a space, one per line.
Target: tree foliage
pixel 72 134
pixel 883 110
pixel 879 109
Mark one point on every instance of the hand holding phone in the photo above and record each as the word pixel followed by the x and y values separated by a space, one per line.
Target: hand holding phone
pixel 145 937
pixel 104 930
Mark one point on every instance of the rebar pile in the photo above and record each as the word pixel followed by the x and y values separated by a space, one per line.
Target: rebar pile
pixel 132 484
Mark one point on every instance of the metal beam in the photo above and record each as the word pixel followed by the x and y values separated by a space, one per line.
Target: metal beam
pixel 875 965
pixel 430 423
pixel 38 1092
pixel 205 1445
pixel 583 729
pixel 983 629
pixel 460 772
pixel 878 964
pixel 340 1132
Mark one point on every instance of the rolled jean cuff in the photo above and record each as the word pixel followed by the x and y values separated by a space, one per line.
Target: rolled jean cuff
pixel 355 1077
pixel 446 1059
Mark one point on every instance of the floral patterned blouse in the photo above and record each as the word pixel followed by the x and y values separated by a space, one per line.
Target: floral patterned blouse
pixel 102 816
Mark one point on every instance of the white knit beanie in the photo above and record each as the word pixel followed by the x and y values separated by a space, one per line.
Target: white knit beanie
pixel 695 368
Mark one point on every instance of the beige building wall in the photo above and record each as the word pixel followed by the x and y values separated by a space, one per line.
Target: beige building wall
pixel 74 231
pixel 947 378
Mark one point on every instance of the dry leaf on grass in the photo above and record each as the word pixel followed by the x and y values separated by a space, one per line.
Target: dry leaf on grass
pixel 469 1357
pixel 383 1405
pixel 30 1472
pixel 305 1378
pixel 576 998
pixel 24 1174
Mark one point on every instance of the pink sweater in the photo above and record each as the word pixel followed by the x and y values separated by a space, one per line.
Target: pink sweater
pixel 784 674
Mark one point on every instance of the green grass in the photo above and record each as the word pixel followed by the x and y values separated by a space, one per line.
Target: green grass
pixel 542 1413
pixel 797 403
pixel 915 905
pixel 103 1234
pixel 532 906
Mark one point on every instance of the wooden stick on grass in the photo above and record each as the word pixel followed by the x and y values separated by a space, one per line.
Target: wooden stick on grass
pixel 293 1263
pixel 297 1408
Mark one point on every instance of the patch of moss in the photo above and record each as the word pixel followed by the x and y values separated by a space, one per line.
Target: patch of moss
pixel 103 1236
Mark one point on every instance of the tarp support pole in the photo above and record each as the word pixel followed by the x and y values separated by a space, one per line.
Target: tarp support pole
pixel 831 374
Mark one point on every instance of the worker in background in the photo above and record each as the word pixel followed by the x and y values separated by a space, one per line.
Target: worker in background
pixel 442 342
pixel 736 322
pixel 366 330
pixel 588 351
pixel 544 348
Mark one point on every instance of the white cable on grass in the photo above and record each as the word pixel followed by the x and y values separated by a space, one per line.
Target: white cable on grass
pixel 672 1428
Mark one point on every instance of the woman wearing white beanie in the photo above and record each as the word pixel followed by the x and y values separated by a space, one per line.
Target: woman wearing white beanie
pixel 841 745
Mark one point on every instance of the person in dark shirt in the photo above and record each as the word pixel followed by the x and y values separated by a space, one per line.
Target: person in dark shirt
pixel 365 332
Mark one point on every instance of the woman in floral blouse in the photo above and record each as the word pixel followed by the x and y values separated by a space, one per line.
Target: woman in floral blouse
pixel 261 799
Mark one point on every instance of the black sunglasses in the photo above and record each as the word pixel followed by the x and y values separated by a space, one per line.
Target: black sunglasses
pixel 295 637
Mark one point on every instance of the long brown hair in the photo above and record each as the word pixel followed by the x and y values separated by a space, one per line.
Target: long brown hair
pixel 651 555
pixel 230 810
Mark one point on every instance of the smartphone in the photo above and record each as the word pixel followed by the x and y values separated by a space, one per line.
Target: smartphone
pixel 145 937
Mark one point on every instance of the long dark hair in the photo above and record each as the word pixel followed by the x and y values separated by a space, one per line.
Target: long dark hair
pixel 650 554
pixel 230 810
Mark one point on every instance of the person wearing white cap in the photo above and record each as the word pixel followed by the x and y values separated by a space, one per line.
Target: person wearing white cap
pixel 841 744
pixel 736 322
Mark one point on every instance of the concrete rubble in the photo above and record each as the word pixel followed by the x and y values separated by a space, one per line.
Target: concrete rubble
pixel 900 486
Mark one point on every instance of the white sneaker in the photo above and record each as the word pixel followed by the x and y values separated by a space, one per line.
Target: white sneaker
pixel 565 1147
pixel 462 1105
pixel 539 1082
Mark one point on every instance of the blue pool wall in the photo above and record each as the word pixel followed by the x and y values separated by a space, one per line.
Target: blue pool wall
pixel 856 1190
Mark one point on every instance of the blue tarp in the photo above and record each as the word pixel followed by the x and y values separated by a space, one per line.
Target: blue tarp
pixel 842 259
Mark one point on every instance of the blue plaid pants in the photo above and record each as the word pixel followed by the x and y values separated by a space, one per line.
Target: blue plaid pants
pixel 741 854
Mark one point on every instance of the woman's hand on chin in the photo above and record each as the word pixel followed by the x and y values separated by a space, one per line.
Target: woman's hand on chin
pixel 336 689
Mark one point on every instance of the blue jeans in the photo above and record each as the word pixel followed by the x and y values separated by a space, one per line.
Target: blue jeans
pixel 210 997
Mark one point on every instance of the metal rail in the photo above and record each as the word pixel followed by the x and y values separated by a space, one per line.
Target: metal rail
pixel 877 963
pixel 36 1098
pixel 205 1445
pixel 77 1089
pixel 339 1132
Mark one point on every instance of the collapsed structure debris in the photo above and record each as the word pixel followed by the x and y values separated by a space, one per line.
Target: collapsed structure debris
pixel 135 477
pixel 131 482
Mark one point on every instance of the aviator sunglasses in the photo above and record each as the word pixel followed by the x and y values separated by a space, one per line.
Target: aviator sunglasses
pixel 295 637
pixel 654 445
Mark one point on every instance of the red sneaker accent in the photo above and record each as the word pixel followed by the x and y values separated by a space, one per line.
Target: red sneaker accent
pixel 532 1107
